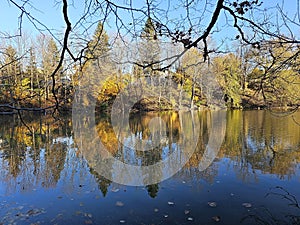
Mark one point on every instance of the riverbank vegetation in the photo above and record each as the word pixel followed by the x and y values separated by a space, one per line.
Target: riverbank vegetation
pixel 35 75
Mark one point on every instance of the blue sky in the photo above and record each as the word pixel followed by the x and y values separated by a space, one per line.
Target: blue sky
pixel 49 13
pixel 45 11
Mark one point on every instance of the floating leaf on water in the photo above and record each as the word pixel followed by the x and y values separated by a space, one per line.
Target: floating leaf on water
pixel 122 221
pixel 88 222
pixel 119 203
pixel 156 210
pixel 212 204
pixel 115 190
pixel 186 212
pixel 190 219
pixel 171 203
pixel 247 205
pixel 78 212
pixel 216 218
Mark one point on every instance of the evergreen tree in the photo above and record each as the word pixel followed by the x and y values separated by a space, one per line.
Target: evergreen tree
pixel 11 73
pixel 12 64
pixel 149 50
pixel 98 47
pixel 98 65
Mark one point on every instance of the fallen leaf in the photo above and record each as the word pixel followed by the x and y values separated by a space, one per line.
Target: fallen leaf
pixel 115 190
pixel 186 212
pixel 88 215
pixel 216 218
pixel 212 204
pixel 88 222
pixel 78 212
pixel 247 205
pixel 118 203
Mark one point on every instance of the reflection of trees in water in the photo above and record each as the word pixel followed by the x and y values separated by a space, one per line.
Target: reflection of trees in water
pixel 255 140
pixel 258 140
pixel 54 163
pixel 29 158
pixel 139 123
pixel 152 190
pixel 103 183
pixel 140 129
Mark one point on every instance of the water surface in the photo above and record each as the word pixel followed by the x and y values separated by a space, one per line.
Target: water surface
pixel 47 177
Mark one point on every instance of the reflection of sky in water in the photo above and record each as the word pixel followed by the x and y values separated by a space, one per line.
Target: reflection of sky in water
pixel 64 140
pixel 130 151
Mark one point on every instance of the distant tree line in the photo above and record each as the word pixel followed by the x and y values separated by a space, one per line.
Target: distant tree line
pixel 250 77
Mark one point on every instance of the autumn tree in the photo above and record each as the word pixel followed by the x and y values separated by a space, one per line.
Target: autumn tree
pixel 228 71
pixel 97 66
pixel 189 74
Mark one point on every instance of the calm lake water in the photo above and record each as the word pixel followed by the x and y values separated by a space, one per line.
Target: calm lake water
pixel 50 172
